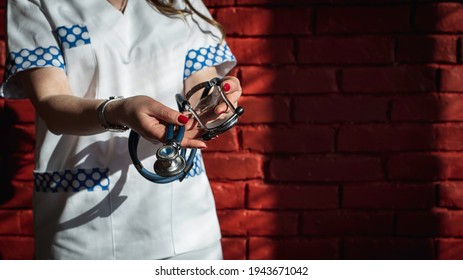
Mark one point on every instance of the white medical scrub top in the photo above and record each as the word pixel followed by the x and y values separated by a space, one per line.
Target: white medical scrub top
pixel 89 200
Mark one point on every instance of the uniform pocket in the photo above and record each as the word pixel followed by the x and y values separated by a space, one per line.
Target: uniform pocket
pixel 73 180
pixel 72 209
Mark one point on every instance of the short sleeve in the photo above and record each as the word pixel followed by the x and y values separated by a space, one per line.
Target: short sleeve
pixel 31 42
pixel 205 47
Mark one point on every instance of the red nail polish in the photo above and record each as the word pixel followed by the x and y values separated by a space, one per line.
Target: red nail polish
pixel 183 119
pixel 226 87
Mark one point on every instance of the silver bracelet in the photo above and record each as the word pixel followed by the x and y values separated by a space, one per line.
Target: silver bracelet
pixel 101 116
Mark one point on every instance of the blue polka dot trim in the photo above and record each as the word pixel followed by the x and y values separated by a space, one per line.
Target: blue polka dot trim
pixel 74 180
pixel 31 58
pixel 197 59
pixel 73 36
pixel 198 166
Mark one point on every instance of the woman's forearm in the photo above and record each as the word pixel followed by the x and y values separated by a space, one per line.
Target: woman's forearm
pixel 68 114
pixel 63 113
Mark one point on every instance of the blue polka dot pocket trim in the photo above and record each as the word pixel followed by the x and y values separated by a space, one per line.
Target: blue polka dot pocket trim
pixel 198 167
pixel 73 180
pixel 197 59
pixel 32 58
pixel 72 36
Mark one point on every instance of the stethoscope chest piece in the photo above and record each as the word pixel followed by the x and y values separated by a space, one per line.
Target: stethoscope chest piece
pixel 169 163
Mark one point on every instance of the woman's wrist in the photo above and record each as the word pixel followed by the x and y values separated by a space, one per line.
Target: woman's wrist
pixel 110 114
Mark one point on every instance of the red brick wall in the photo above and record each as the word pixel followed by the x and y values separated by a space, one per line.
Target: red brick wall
pixel 350 147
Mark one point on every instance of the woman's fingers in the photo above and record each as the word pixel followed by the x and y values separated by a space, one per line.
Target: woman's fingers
pixel 168 115
pixel 232 89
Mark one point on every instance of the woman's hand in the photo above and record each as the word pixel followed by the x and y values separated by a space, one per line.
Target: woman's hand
pixel 231 86
pixel 149 118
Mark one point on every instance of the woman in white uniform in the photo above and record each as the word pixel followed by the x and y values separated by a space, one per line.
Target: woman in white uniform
pixel 71 56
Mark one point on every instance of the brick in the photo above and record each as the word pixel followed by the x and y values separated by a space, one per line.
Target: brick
pixel 20 167
pixel 226 142
pixel 288 79
pixel 439 49
pixel 450 195
pixel 334 108
pixel 413 137
pixel 263 109
pixel 2 103
pixel 405 78
pixel 19 111
pixel 439 17
pixel 366 248
pixel 228 195
pixel 451 80
pixel 2 54
pixel 388 196
pixel 373 1
pixel 325 168
pixel 244 222
pixel 313 139
pixel 448 137
pixel 214 3
pixel 234 248
pixel 381 138
pixel 264 196
pixel 26 222
pixel 281 2
pixel 2 22
pixel 262 50
pixel 21 138
pixel 233 166
pixel 347 223
pixel 414 166
pixel 346 50
pixel 276 21
pixel 10 222
pixel 16 248
pixel 16 194
pixel 7 193
pixel 430 224
pixel 3 126
pixel 425 166
pixel 444 107
pixel 363 19
pixel 293 249
pixel 450 249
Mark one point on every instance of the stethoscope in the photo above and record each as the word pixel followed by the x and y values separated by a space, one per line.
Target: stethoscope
pixel 172 162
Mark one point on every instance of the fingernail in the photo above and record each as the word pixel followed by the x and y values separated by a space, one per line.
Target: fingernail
pixel 226 87
pixel 183 119
pixel 203 147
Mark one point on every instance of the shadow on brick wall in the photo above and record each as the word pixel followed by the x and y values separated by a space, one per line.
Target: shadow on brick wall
pixel 16 233
pixel 353 109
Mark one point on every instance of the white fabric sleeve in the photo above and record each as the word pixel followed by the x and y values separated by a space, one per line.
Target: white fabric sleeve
pixel 31 43
pixel 205 48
